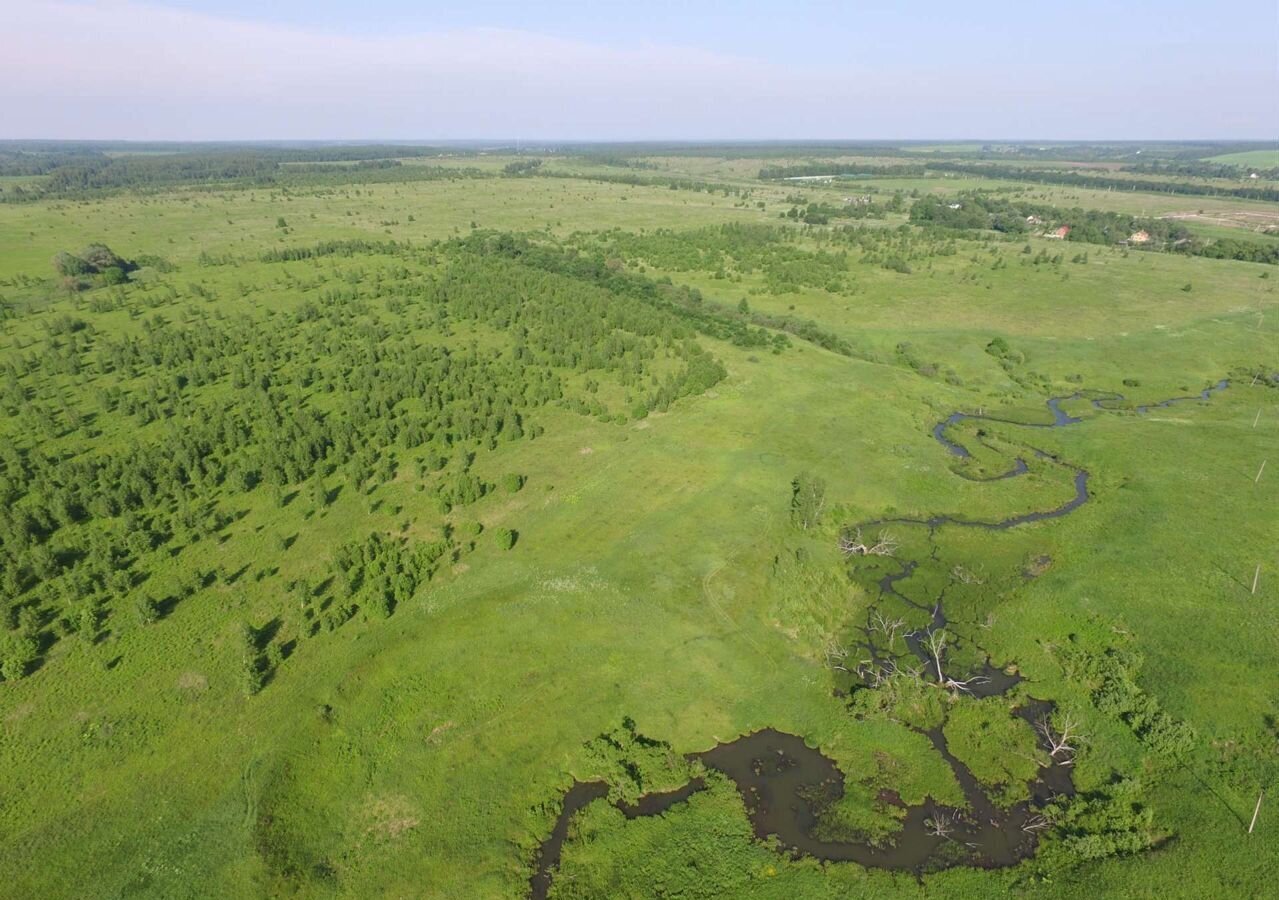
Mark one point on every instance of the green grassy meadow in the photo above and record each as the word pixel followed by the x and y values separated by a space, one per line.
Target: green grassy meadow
pixel 1267 158
pixel 656 572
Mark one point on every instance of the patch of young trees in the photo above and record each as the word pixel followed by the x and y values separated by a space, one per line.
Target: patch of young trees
pixel 358 384
pixel 1111 674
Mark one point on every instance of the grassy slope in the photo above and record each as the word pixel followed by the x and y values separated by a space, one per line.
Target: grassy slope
pixel 1118 316
pixel 1266 158
pixel 640 586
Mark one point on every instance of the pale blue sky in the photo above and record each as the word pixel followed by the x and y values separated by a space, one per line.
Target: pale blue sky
pixel 571 69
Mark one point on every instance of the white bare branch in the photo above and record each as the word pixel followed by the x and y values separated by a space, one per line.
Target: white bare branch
pixel 936 643
pixel 878 673
pixel 889 627
pixel 966 686
pixel 1058 740
pixel 836 654
pixel 940 825
pixel 855 545
pixel 1035 823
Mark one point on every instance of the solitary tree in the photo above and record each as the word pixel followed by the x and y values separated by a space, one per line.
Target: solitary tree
pixel 319 493
pixel 250 660
pixel 147 609
pixel 17 654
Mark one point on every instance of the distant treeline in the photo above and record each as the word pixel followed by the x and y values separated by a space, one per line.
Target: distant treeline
pixel 851 169
pixel 1119 151
pixel 983 211
pixel 533 166
pixel 674 183
pixel 1072 178
pixel 88 172
pixel 734 150
pixel 360 165
pixel 1109 181
pixel 1203 169
pixel 615 160
pixel 26 164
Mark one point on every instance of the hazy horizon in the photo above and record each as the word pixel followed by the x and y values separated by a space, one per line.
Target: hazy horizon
pixel 564 72
pixel 551 143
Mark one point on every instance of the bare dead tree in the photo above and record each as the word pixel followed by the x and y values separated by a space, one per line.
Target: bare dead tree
pixel 836 654
pixel 889 627
pixel 878 673
pixel 854 545
pixel 936 643
pixel 1059 740
pixel 1035 823
pixel 940 825
pixel 966 686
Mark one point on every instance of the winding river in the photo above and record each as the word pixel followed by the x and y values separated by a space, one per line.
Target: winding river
pixel 785 784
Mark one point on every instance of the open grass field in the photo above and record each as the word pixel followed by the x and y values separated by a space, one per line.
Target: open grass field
pixel 1262 158
pixel 343 530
